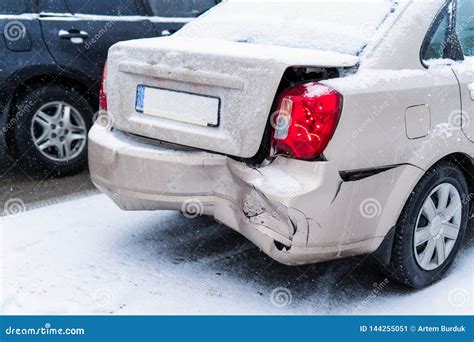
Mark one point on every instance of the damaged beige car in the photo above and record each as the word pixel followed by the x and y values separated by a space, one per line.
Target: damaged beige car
pixel 318 130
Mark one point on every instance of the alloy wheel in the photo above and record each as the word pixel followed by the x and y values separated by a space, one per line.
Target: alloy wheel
pixel 438 226
pixel 59 131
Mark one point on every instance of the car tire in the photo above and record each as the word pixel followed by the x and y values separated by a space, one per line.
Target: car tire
pixel 411 263
pixel 33 115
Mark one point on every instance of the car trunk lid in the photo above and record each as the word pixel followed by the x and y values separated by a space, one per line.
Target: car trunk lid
pixel 208 94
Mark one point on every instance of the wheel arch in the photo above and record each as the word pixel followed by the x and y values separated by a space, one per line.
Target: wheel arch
pixel 465 164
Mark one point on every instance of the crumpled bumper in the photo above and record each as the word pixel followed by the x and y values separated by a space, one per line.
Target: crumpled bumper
pixel 296 212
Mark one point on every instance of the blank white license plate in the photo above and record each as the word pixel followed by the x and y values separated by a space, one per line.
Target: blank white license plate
pixel 179 106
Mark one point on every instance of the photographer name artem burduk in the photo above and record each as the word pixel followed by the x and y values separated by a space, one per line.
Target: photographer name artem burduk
pixel 412 328
pixel 442 328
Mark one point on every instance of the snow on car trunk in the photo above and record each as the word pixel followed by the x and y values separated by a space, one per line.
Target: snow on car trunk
pixel 210 94
pixel 212 85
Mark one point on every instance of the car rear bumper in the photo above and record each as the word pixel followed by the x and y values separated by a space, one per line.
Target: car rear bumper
pixel 297 212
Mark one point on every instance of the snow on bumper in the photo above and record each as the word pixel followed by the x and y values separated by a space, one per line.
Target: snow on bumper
pixel 297 212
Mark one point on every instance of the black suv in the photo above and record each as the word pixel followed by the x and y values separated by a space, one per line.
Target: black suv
pixel 51 58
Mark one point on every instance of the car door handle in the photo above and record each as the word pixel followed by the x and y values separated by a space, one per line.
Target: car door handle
pixel 166 33
pixel 471 90
pixel 72 34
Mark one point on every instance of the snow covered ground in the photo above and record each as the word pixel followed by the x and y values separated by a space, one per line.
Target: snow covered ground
pixel 86 256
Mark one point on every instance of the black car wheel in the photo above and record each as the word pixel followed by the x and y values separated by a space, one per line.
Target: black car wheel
pixel 50 135
pixel 431 227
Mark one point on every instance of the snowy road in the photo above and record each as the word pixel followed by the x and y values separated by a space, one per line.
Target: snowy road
pixel 86 256
pixel 17 184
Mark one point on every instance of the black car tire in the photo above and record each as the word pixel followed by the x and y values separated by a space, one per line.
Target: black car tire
pixel 27 154
pixel 404 266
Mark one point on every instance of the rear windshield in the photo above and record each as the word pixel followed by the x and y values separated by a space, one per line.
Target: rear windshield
pixel 345 26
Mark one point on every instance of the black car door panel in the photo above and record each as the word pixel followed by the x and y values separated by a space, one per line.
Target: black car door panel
pixel 80 38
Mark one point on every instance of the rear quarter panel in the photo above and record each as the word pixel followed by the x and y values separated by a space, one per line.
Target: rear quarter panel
pixel 372 131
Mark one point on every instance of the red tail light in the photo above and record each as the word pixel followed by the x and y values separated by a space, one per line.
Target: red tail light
pixel 103 92
pixel 305 120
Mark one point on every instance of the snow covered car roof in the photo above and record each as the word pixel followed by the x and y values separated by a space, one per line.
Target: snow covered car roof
pixel 343 26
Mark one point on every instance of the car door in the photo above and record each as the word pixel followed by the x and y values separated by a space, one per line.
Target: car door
pixel 66 36
pixel 80 32
pixel 465 70
pixel 169 16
